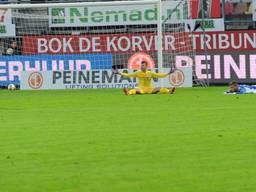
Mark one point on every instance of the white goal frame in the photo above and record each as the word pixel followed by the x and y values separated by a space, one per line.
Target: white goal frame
pixel 109 3
pixel 159 24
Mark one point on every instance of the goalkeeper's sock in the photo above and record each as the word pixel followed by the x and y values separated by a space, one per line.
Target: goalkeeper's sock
pixel 125 90
pixel 164 90
pixel 173 90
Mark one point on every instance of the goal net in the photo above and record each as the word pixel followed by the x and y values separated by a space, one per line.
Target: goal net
pixel 96 35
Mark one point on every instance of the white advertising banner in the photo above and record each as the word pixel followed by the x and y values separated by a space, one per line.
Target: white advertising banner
pixel 96 79
pixel 207 24
pixel 173 12
pixel 7 29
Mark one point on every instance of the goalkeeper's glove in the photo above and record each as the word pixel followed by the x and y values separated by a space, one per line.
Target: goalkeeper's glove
pixel 172 70
pixel 115 70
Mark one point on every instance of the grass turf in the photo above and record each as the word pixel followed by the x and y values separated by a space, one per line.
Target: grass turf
pixel 197 140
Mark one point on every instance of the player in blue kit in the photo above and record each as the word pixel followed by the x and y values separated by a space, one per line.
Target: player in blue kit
pixel 235 88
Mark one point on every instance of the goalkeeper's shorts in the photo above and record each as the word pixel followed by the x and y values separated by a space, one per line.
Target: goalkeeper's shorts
pixel 146 90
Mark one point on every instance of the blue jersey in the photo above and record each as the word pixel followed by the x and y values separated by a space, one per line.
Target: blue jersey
pixel 244 89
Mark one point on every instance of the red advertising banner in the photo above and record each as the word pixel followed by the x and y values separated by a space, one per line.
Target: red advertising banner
pixel 107 43
pixel 226 41
pixel 210 8
pixel 229 41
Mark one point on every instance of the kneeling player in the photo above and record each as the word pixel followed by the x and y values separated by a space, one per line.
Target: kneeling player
pixel 235 88
pixel 145 78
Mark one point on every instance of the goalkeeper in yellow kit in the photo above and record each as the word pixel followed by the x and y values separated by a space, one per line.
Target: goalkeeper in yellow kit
pixel 145 78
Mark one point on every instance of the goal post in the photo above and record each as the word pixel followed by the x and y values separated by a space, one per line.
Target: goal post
pixel 159 35
pixel 97 35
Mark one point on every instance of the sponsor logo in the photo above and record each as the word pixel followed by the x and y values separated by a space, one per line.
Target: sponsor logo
pixel 135 60
pixel 228 41
pixel 206 24
pixel 35 80
pixel 172 12
pixel 116 14
pixel 107 43
pixel 177 78
pixel 91 79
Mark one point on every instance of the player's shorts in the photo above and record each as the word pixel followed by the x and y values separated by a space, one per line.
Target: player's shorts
pixel 146 90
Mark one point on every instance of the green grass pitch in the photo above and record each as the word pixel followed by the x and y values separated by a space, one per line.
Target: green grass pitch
pixel 197 140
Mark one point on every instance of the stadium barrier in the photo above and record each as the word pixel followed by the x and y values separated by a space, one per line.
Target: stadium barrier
pixel 98 79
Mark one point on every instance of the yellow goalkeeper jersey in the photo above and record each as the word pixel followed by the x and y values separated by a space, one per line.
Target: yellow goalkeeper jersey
pixel 145 78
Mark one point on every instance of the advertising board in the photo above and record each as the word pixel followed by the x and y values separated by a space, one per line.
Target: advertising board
pixel 98 79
